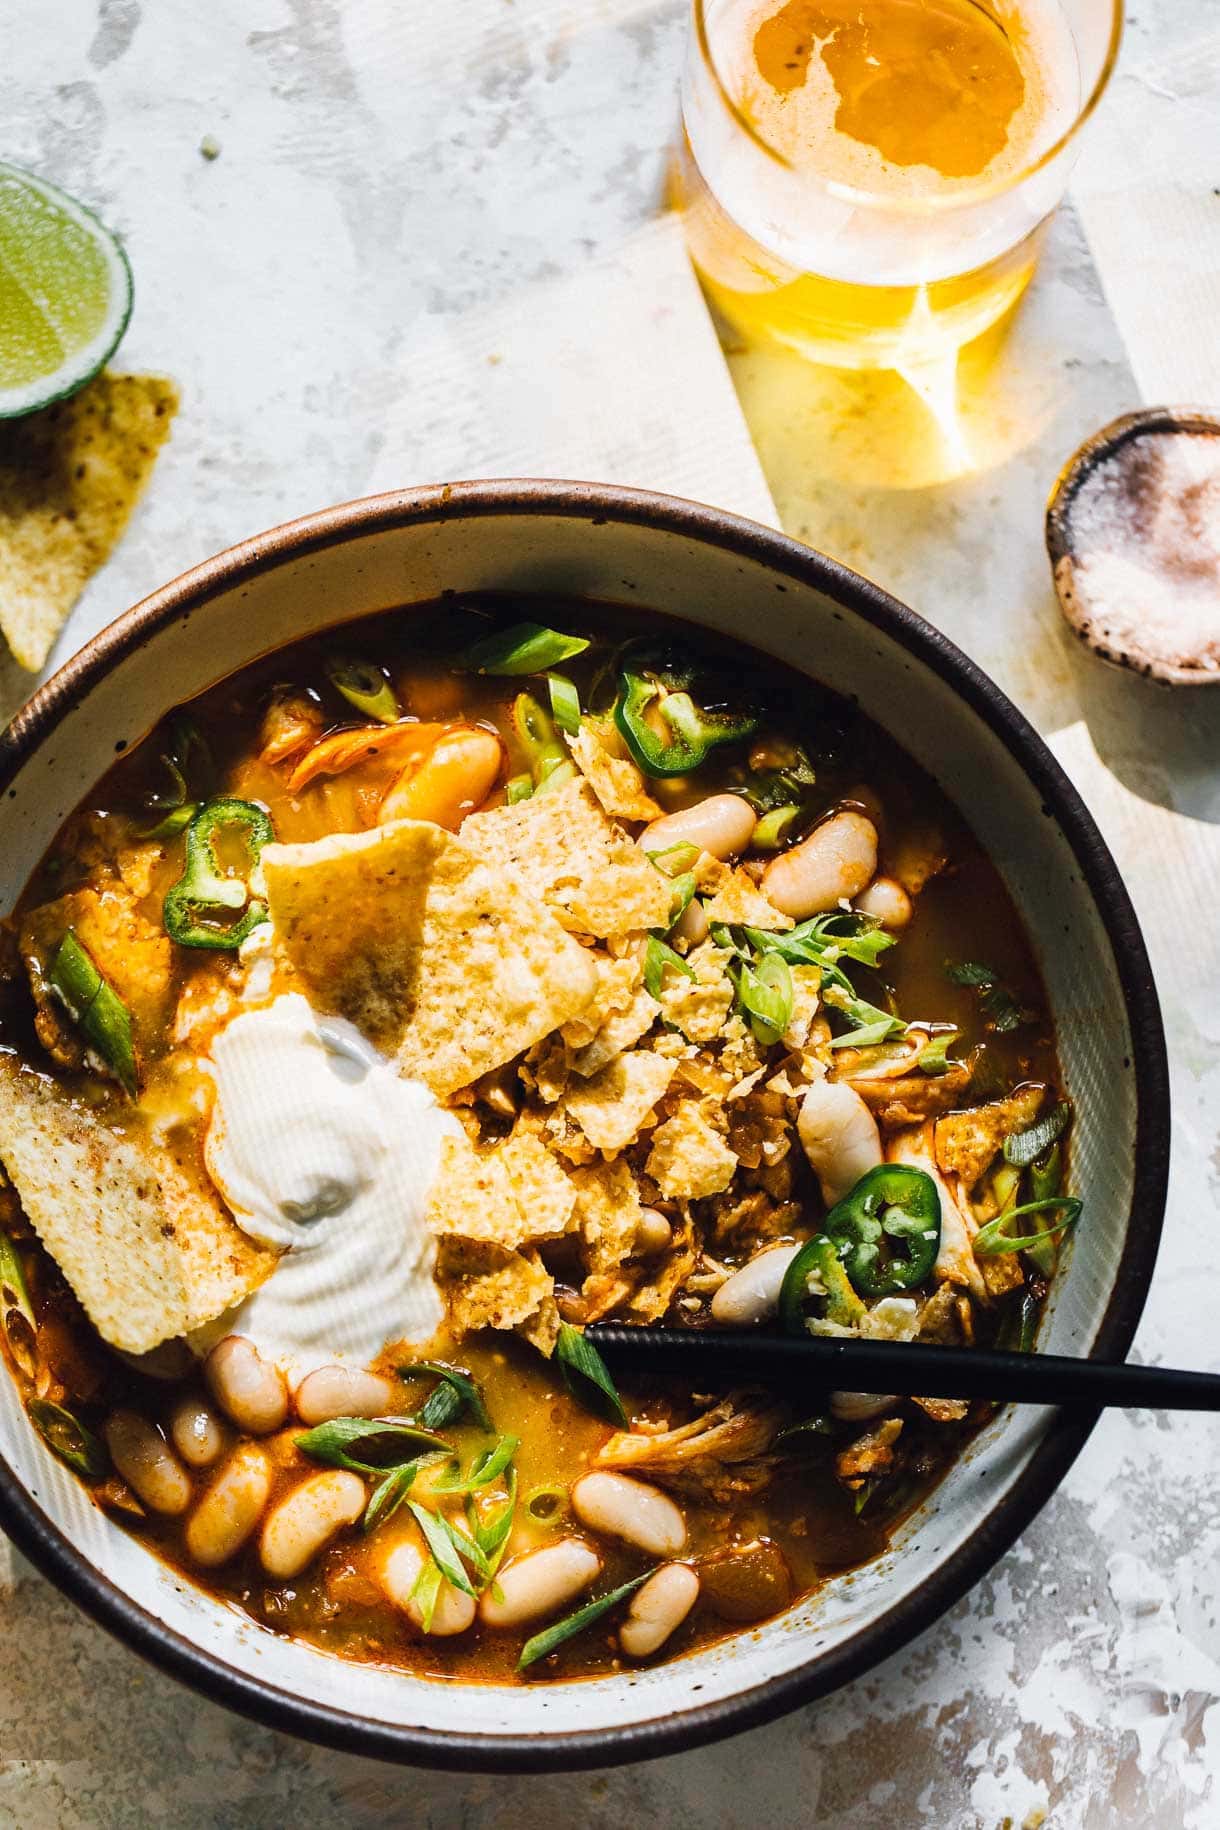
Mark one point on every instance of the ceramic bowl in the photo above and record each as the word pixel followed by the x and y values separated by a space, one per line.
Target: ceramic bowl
pixel 732 575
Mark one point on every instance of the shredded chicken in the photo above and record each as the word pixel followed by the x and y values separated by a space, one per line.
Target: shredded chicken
pixel 719 1456
pixel 870 1454
pixel 911 1098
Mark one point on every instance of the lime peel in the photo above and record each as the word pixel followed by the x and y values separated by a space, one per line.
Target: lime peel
pixel 65 293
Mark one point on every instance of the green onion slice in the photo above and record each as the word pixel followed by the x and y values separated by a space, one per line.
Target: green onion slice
pixel 67 1436
pixel 18 1323
pixel 491 1535
pixel 1022 1149
pixel 996 1238
pixel 766 995
pixel 365 687
pixel 484 1469
pixel 774 827
pixel 445 1555
pixel 388 1495
pixel 587 1376
pixel 683 894
pixel 96 1009
pixel 565 703
pixel 658 959
pixel 675 860
pixel 547 1505
pixel 934 1056
pixel 546 1642
pixel 518 788
pixel 996 1001
pixel 455 1394
pixel 427 1592
pixel 801 1435
pixel 526 648
pixel 370 1445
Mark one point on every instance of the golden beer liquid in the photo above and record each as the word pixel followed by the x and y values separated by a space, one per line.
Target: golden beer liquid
pixel 934 89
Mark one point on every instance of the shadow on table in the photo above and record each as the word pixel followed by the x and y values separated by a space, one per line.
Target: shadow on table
pixel 1161 742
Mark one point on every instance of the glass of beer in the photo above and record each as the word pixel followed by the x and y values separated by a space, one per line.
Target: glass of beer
pixel 867 181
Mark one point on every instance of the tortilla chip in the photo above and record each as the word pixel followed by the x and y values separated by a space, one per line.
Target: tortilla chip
pixel 440 959
pixel 69 479
pixel 547 1068
pixel 472 1197
pixel 699 1006
pixel 735 897
pixel 600 754
pixel 612 1107
pixel 806 1001
pixel 689 1159
pixel 487 1286
pixel 566 851
pixel 967 1142
pixel 617 1034
pixel 541 1329
pixel 542 1190
pixel 617 982
pixel 138 1232
pixel 607 1215
pixel 134 955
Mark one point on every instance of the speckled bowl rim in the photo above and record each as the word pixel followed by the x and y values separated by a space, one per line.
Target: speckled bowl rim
pixel 1075 473
pixel 50 1550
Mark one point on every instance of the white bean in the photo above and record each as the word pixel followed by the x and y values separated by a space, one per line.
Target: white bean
pixel 147 1463
pixel 887 901
pixel 861 1407
pixel 692 925
pixel 306 1520
pixel 248 1389
pixel 197 1432
pixel 652 1232
pixel 343 1391
pixel 454 1612
pixel 751 1294
pixel 540 1582
pixel 231 1508
pixel 723 825
pixel 658 1609
pixel 831 866
pixel 631 1510
pixel 839 1135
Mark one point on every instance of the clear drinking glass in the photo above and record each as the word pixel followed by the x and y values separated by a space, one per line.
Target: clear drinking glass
pixel 868 181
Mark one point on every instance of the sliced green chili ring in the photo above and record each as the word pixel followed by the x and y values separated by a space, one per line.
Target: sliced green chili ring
pixel 526 648
pixel 97 1010
pixel 818 1258
pixel 546 1642
pixel 68 1438
pixel 774 827
pixel 994 1239
pixel 518 788
pixel 565 703
pixel 364 686
pixel 887 1229
pixel 204 891
pixel 18 1322
pixel 666 730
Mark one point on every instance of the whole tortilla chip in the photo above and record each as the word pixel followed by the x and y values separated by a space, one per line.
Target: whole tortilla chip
pixel 442 960
pixel 69 479
pixel 563 847
pixel 138 1232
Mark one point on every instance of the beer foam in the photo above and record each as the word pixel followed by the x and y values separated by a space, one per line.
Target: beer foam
pixel 800 123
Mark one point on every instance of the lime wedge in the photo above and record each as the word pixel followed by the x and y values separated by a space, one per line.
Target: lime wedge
pixel 65 293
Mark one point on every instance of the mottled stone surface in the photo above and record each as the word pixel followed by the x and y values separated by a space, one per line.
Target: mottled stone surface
pixel 387 183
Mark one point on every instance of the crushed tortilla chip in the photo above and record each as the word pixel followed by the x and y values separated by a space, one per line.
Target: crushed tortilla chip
pixel 617 1034
pixel 601 755
pixel 541 1329
pixel 689 1159
pixel 138 1231
pixel 967 1142
pixel 542 1191
pixel 732 896
pixel 472 1197
pixel 612 1107
pixel 608 1213
pixel 654 1294
pixel 699 1006
pixel 488 1286
pixel 440 959
pixel 547 1068
pixel 566 851
pixel 69 479
pixel 617 982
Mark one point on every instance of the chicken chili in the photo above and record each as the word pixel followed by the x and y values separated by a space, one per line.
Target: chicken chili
pixel 410 1001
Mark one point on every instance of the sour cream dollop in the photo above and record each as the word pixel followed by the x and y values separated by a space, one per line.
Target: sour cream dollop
pixel 320 1148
